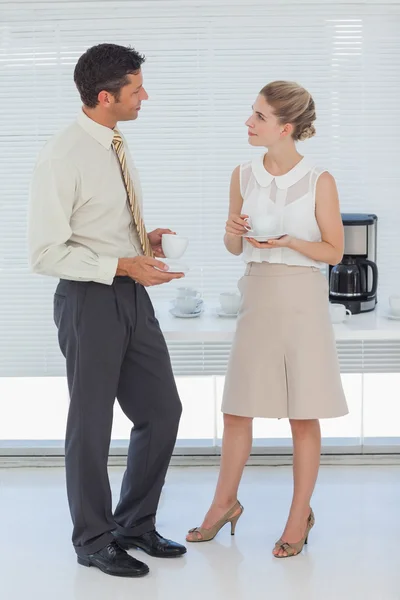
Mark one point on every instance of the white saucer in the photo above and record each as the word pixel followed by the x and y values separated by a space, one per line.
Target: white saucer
pixel 181 315
pixel 393 317
pixel 175 266
pixel 200 302
pixel 222 313
pixel 265 238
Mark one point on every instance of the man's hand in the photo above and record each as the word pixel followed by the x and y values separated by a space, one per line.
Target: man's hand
pixel 155 241
pixel 144 270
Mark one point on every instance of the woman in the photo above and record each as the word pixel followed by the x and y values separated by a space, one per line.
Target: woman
pixel 283 362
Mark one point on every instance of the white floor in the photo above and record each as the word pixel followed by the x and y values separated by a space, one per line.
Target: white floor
pixel 353 550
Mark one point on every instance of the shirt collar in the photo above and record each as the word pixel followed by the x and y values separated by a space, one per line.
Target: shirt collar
pixel 103 135
pixel 264 178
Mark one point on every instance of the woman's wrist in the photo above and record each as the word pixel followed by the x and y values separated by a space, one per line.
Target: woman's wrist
pixel 233 243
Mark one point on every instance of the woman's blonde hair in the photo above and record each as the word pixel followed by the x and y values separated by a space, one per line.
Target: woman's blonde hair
pixel 292 104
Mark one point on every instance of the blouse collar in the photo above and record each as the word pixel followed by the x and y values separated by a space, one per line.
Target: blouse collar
pixel 265 178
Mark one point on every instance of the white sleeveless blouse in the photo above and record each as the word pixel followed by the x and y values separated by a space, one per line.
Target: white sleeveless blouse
pixel 290 198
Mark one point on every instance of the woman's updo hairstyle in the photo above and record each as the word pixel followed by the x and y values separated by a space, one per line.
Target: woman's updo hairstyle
pixel 292 104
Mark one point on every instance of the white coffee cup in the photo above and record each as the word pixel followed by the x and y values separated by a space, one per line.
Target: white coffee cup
pixel 187 291
pixel 187 304
pixel 394 303
pixel 263 224
pixel 230 302
pixel 199 301
pixel 339 313
pixel 173 245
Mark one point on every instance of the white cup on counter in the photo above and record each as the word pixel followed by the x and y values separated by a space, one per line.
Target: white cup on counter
pixel 230 302
pixel 187 291
pixel 339 313
pixel 394 303
pixel 187 304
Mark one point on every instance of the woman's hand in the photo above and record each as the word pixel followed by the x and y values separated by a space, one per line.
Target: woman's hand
pixel 237 225
pixel 283 242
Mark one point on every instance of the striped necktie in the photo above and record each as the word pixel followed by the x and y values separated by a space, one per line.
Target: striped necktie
pixel 135 208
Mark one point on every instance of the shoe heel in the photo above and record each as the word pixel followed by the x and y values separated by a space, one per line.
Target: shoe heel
pixel 233 524
pixel 84 562
pixel 205 535
pixel 123 545
pixel 306 540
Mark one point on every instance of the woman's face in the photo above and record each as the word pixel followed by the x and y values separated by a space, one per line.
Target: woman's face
pixel 263 126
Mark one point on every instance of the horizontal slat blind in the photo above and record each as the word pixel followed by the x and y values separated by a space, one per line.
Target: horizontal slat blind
pixel 206 62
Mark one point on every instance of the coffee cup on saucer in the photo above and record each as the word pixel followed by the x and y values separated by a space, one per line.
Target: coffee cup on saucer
pixel 339 313
pixel 187 304
pixel 230 302
pixel 261 224
pixel 173 245
pixel 188 291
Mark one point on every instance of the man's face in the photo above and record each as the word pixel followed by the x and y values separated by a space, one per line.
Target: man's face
pixel 127 107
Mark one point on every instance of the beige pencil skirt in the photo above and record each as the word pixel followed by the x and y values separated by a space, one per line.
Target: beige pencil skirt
pixel 283 361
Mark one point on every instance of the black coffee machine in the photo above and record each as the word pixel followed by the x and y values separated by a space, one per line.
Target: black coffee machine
pixel 354 281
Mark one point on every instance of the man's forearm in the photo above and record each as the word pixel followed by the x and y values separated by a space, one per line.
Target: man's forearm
pixel 74 263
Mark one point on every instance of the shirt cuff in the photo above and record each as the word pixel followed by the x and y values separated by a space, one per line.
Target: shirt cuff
pixel 107 269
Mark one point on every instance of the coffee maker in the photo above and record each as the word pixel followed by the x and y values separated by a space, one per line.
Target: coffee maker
pixel 354 281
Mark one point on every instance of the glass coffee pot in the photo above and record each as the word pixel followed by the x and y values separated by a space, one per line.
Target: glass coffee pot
pixel 350 278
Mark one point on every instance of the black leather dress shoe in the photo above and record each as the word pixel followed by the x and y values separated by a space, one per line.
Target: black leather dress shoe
pixel 114 561
pixel 152 543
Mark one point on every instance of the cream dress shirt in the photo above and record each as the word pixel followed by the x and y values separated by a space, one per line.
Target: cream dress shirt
pixel 80 221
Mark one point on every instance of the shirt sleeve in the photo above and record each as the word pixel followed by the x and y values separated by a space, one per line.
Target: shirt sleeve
pixel 52 197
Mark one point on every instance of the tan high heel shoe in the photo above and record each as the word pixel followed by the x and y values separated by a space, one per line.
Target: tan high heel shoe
pixel 295 548
pixel 211 532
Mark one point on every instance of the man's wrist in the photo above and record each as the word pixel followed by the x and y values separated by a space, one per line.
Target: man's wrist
pixel 121 267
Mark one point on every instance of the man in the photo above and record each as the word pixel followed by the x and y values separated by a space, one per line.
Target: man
pixel 86 228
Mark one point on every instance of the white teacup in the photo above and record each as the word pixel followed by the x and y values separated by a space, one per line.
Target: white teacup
pixel 173 245
pixel 263 224
pixel 230 302
pixel 394 303
pixel 339 313
pixel 188 291
pixel 187 304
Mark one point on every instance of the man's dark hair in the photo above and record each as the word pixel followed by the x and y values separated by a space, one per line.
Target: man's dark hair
pixel 105 67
